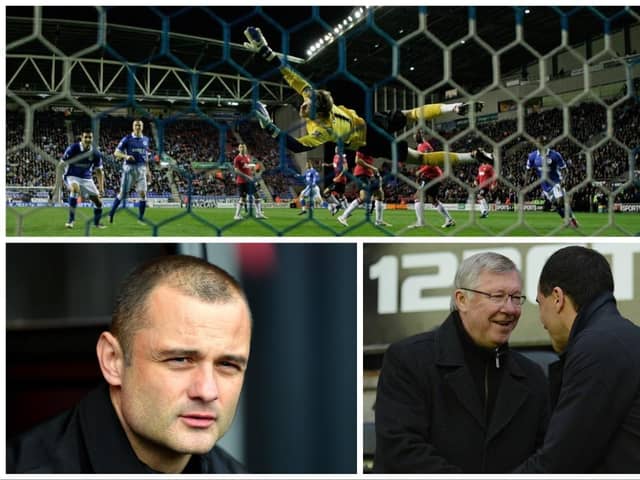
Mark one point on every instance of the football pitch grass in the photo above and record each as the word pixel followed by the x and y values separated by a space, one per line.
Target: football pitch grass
pixel 210 222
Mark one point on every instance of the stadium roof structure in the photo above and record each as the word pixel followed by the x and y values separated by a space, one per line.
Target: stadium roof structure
pixel 469 34
pixel 413 46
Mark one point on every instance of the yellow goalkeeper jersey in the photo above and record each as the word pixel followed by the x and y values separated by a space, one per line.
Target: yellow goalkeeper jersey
pixel 343 123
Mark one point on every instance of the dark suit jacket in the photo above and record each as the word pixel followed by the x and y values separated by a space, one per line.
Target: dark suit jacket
pixel 595 386
pixel 430 418
pixel 90 439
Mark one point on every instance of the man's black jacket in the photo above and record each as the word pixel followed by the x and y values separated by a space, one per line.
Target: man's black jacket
pixel 430 417
pixel 595 386
pixel 90 439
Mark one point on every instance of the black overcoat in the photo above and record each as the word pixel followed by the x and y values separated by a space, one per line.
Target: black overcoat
pixel 429 416
pixel 595 391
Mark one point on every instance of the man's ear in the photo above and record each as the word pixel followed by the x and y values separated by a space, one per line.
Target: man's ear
pixel 462 301
pixel 559 299
pixel 110 358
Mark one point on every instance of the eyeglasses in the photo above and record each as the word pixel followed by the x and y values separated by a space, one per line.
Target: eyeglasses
pixel 500 298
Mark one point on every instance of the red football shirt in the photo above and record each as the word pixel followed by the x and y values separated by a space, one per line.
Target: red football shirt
pixel 486 177
pixel 428 172
pixel 359 169
pixel 241 162
pixel 425 147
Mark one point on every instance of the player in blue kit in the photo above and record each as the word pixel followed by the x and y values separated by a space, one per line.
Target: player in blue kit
pixel 134 150
pixel 82 161
pixel 311 189
pixel 552 185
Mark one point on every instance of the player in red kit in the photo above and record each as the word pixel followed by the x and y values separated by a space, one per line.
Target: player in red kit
pixel 485 181
pixel 423 144
pixel 370 181
pixel 425 175
pixel 334 193
pixel 244 170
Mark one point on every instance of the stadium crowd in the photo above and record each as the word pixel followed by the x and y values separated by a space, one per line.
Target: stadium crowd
pixel 610 162
pixel 190 141
pixel 187 142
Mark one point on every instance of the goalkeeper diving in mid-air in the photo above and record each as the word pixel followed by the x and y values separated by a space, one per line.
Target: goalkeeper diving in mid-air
pixel 327 122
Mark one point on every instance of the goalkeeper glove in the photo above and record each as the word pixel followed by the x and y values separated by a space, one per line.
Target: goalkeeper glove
pixel 265 121
pixel 258 44
pixel 263 116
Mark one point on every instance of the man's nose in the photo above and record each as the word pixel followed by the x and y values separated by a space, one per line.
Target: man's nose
pixel 204 385
pixel 512 306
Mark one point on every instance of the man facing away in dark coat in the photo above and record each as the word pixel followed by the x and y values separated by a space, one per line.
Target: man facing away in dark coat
pixel 457 399
pixel 595 386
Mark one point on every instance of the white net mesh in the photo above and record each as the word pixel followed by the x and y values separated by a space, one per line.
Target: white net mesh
pixel 575 92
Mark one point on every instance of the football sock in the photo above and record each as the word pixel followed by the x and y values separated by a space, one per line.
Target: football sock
pixel 97 213
pixel 114 207
pixel 379 207
pixel 352 206
pixel 419 212
pixel 438 158
pixel 484 206
pixel 443 211
pixel 73 203
pixel 426 112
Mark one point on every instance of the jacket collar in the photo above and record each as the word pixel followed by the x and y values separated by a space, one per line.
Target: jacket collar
pixel 512 392
pixel 449 349
pixel 583 320
pixel 104 436
pixel 106 442
pixel 586 314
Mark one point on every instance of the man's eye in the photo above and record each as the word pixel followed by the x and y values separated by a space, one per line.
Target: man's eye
pixel 178 360
pixel 230 365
